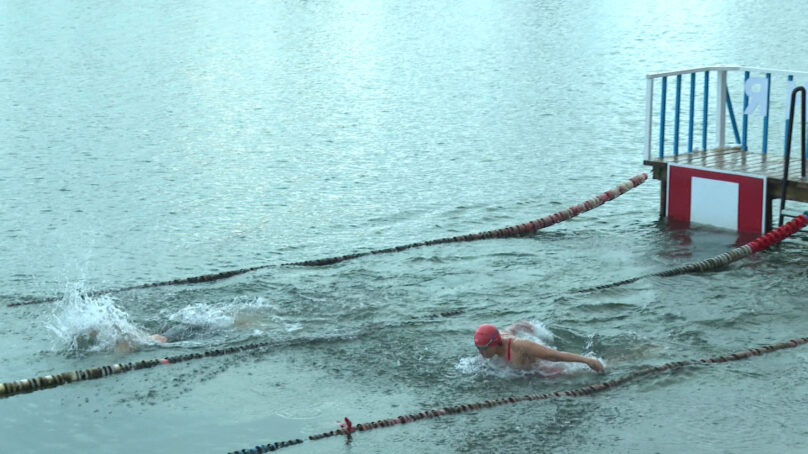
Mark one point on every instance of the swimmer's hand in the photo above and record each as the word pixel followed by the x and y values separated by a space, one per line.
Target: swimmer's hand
pixel 158 338
pixel 595 365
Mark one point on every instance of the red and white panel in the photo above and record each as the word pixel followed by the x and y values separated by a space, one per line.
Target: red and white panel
pixel 730 200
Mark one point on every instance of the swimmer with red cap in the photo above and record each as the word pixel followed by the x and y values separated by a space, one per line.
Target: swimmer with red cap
pixel 522 353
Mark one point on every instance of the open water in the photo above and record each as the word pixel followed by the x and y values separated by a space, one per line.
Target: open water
pixel 148 141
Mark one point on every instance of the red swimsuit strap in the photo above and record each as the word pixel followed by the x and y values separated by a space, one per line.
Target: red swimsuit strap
pixel 509 349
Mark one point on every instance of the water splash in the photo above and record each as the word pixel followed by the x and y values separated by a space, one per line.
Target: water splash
pixel 225 320
pixel 540 333
pixel 84 323
pixel 205 315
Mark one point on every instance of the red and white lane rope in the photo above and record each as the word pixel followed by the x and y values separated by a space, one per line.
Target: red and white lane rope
pixel 348 429
pixel 525 228
pixel 514 230
pixel 756 245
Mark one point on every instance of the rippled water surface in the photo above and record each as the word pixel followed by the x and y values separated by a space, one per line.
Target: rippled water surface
pixel 153 141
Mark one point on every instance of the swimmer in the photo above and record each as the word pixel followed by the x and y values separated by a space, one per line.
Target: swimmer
pixel 522 353
pixel 158 338
pixel 123 345
pixel 176 333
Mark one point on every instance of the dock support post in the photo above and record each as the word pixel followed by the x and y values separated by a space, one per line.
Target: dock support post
pixel 661 174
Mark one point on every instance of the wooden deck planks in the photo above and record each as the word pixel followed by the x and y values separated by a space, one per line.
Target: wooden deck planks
pixel 735 160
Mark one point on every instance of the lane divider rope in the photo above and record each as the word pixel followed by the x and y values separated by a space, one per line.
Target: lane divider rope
pixel 349 429
pixel 51 381
pixel 756 245
pixel 525 228
pixel 515 230
pixel 189 280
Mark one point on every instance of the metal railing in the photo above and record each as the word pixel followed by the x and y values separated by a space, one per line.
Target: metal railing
pixel 790 130
pixel 757 86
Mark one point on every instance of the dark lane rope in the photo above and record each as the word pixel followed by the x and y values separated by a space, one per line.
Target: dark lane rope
pixel 189 280
pixel 51 381
pixel 348 429
pixel 515 230
pixel 756 245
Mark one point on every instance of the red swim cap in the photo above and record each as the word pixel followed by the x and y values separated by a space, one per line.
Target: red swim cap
pixel 487 335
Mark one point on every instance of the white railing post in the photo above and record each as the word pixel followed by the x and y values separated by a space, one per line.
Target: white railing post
pixel 721 108
pixel 649 111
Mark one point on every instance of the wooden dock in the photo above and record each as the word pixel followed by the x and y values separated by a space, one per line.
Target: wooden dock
pixel 734 160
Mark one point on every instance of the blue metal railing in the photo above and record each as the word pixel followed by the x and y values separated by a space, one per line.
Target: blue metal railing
pixel 744 145
pixel 662 117
pixel 704 115
pixel 692 111
pixel 732 119
pixel 755 102
pixel 676 114
pixel 766 118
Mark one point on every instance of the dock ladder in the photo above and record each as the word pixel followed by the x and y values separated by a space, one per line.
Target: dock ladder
pixel 800 90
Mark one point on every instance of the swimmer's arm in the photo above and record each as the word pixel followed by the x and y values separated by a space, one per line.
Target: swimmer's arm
pixel 536 351
pixel 123 346
pixel 126 346
pixel 520 326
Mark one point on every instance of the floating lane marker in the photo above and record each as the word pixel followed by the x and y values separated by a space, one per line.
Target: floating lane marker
pixel 51 381
pixel 514 230
pixel 525 228
pixel 756 245
pixel 348 429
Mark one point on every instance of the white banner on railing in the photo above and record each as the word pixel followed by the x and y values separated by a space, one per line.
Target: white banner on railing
pixel 757 89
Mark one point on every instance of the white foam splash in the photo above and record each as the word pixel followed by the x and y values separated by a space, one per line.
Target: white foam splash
pixel 205 315
pixel 254 314
pixel 498 368
pixel 92 323
pixel 541 334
